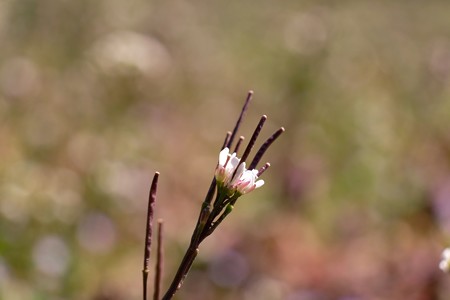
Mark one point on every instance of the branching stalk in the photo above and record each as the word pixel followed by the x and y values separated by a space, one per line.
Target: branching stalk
pixel 226 192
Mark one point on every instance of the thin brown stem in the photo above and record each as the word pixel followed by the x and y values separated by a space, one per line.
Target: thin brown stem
pixel 252 141
pixel 263 169
pixel 159 262
pixel 238 145
pixel 255 135
pixel 228 210
pixel 149 232
pixel 227 139
pixel 264 148
pixel 185 265
pixel 238 123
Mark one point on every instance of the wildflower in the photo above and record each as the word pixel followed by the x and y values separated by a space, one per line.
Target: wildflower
pixel 444 265
pixel 226 166
pixel 245 181
pixel 238 180
pixel 231 180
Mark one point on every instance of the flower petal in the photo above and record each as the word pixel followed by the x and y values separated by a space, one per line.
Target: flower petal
pixel 239 172
pixel 446 254
pixel 223 156
pixel 259 183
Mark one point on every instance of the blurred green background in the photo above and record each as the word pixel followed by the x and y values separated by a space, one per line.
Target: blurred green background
pixel 95 96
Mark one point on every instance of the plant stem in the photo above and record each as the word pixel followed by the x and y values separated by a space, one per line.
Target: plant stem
pixel 159 262
pixel 205 223
pixel 183 269
pixel 149 232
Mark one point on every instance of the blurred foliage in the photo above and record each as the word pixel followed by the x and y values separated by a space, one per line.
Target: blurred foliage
pixel 97 95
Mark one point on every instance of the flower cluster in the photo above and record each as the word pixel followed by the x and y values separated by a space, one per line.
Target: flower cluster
pixel 232 175
pixel 444 265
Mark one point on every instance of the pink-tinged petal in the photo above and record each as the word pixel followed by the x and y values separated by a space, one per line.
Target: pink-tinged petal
pixel 240 170
pixel 246 182
pixel 243 181
pixel 246 189
pixel 220 174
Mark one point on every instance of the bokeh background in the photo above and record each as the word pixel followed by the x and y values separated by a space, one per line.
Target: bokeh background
pixel 95 96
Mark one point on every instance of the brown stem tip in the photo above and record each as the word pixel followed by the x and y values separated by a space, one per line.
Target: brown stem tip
pixel 263 169
pixel 264 147
pixel 241 116
pixel 149 231
pixel 252 141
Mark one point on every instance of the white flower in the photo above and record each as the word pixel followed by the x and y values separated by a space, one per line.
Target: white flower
pixel 226 166
pixel 245 181
pixel 444 265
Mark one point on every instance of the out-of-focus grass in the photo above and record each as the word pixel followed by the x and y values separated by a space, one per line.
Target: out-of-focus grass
pixel 97 95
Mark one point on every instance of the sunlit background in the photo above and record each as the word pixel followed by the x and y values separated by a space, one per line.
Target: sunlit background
pixel 95 96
